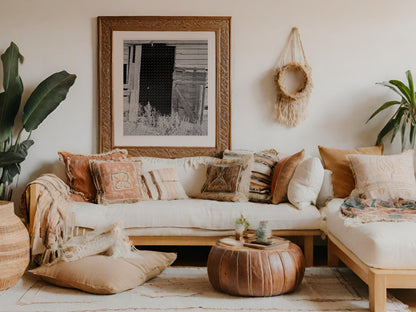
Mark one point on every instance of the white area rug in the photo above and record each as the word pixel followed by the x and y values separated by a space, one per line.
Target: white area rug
pixel 188 289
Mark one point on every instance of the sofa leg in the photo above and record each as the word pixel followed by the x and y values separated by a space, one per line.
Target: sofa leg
pixel 333 260
pixel 377 292
pixel 308 250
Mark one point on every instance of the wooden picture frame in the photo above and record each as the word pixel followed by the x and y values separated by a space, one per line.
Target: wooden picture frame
pixel 133 110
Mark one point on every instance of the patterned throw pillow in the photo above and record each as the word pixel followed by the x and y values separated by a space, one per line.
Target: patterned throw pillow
pixel 118 181
pixel 336 161
pixel 261 173
pixel 164 184
pixel 384 177
pixel 228 179
pixel 283 173
pixel 77 169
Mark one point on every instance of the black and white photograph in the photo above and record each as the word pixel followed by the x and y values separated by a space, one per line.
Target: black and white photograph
pixel 165 87
pixel 163 84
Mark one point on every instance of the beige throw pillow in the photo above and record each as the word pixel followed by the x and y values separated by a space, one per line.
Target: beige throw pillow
pixel 384 177
pixel 106 275
pixel 336 161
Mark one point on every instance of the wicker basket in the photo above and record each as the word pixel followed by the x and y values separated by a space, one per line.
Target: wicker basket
pixel 14 246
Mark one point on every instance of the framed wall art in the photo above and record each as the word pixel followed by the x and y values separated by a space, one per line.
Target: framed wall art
pixel 164 85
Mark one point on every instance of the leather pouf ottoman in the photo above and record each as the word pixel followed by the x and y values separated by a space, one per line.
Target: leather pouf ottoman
pixel 245 271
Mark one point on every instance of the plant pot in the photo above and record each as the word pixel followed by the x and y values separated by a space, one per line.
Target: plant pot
pixel 14 246
pixel 239 230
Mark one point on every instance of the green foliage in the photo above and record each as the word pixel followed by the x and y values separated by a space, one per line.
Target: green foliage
pixel 44 99
pixel 242 220
pixel 404 118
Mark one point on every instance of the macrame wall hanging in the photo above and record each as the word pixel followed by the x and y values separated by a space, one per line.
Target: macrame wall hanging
pixel 293 81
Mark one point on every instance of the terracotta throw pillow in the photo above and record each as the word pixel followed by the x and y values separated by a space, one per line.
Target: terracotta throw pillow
pixel 118 181
pixel 384 177
pixel 77 169
pixel 336 161
pixel 228 179
pixel 106 275
pixel 283 172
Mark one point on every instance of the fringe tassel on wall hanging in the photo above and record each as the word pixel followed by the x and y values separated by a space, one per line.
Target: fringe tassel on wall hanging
pixel 293 81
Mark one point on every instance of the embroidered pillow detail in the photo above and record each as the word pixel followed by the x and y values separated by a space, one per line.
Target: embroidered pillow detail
pixel 118 181
pixel 77 170
pixel 228 179
pixel 222 178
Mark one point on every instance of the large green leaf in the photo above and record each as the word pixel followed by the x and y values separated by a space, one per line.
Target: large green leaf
pixel 10 60
pixel 10 160
pixel 403 134
pixel 45 98
pixel 398 120
pixel 386 129
pixel 403 89
pixel 16 154
pixel 9 172
pixel 383 107
pixel 13 89
pixel 412 135
pixel 393 88
pixel 411 88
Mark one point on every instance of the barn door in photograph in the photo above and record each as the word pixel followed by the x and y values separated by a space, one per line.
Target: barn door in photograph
pixel 156 73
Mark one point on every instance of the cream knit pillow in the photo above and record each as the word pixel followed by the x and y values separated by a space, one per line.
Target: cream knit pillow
pixel 384 177
pixel 306 183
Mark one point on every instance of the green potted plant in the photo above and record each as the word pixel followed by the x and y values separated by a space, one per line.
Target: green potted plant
pixel 41 102
pixel 241 225
pixel 404 117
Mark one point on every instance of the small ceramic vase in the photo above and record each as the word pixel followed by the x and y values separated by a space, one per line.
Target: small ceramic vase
pixel 263 231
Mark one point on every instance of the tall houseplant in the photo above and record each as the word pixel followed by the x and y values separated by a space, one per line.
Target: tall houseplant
pixel 404 118
pixel 41 102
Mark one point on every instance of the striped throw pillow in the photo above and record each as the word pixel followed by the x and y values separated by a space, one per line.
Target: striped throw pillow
pixel 164 184
pixel 261 172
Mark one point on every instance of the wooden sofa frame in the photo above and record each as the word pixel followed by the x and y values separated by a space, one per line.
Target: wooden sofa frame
pixel 306 236
pixel 378 280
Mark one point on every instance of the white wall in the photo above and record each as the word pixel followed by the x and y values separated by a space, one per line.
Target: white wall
pixel 350 45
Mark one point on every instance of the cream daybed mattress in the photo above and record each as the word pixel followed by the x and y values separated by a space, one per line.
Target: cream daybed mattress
pixel 193 216
pixel 386 245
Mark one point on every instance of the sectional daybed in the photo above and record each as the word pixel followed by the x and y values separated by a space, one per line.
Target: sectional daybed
pixel 382 254
pixel 192 221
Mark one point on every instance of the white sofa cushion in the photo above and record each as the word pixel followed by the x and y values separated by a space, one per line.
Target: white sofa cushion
pixel 306 183
pixel 191 170
pixel 385 245
pixel 195 213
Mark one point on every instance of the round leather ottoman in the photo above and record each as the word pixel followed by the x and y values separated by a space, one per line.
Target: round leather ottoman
pixel 246 271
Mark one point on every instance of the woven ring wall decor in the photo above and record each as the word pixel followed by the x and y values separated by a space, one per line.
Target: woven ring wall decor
pixel 293 79
pixel 305 81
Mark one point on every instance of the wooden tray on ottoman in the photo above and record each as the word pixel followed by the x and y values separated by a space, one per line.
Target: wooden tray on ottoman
pixel 244 271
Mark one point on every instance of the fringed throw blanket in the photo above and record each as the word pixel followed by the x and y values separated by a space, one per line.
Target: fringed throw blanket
pixel 51 220
pixel 51 227
pixel 359 210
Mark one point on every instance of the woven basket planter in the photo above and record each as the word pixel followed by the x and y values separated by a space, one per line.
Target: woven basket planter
pixel 14 246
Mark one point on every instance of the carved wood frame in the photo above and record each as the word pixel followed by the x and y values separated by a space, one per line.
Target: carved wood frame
pixel 218 24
